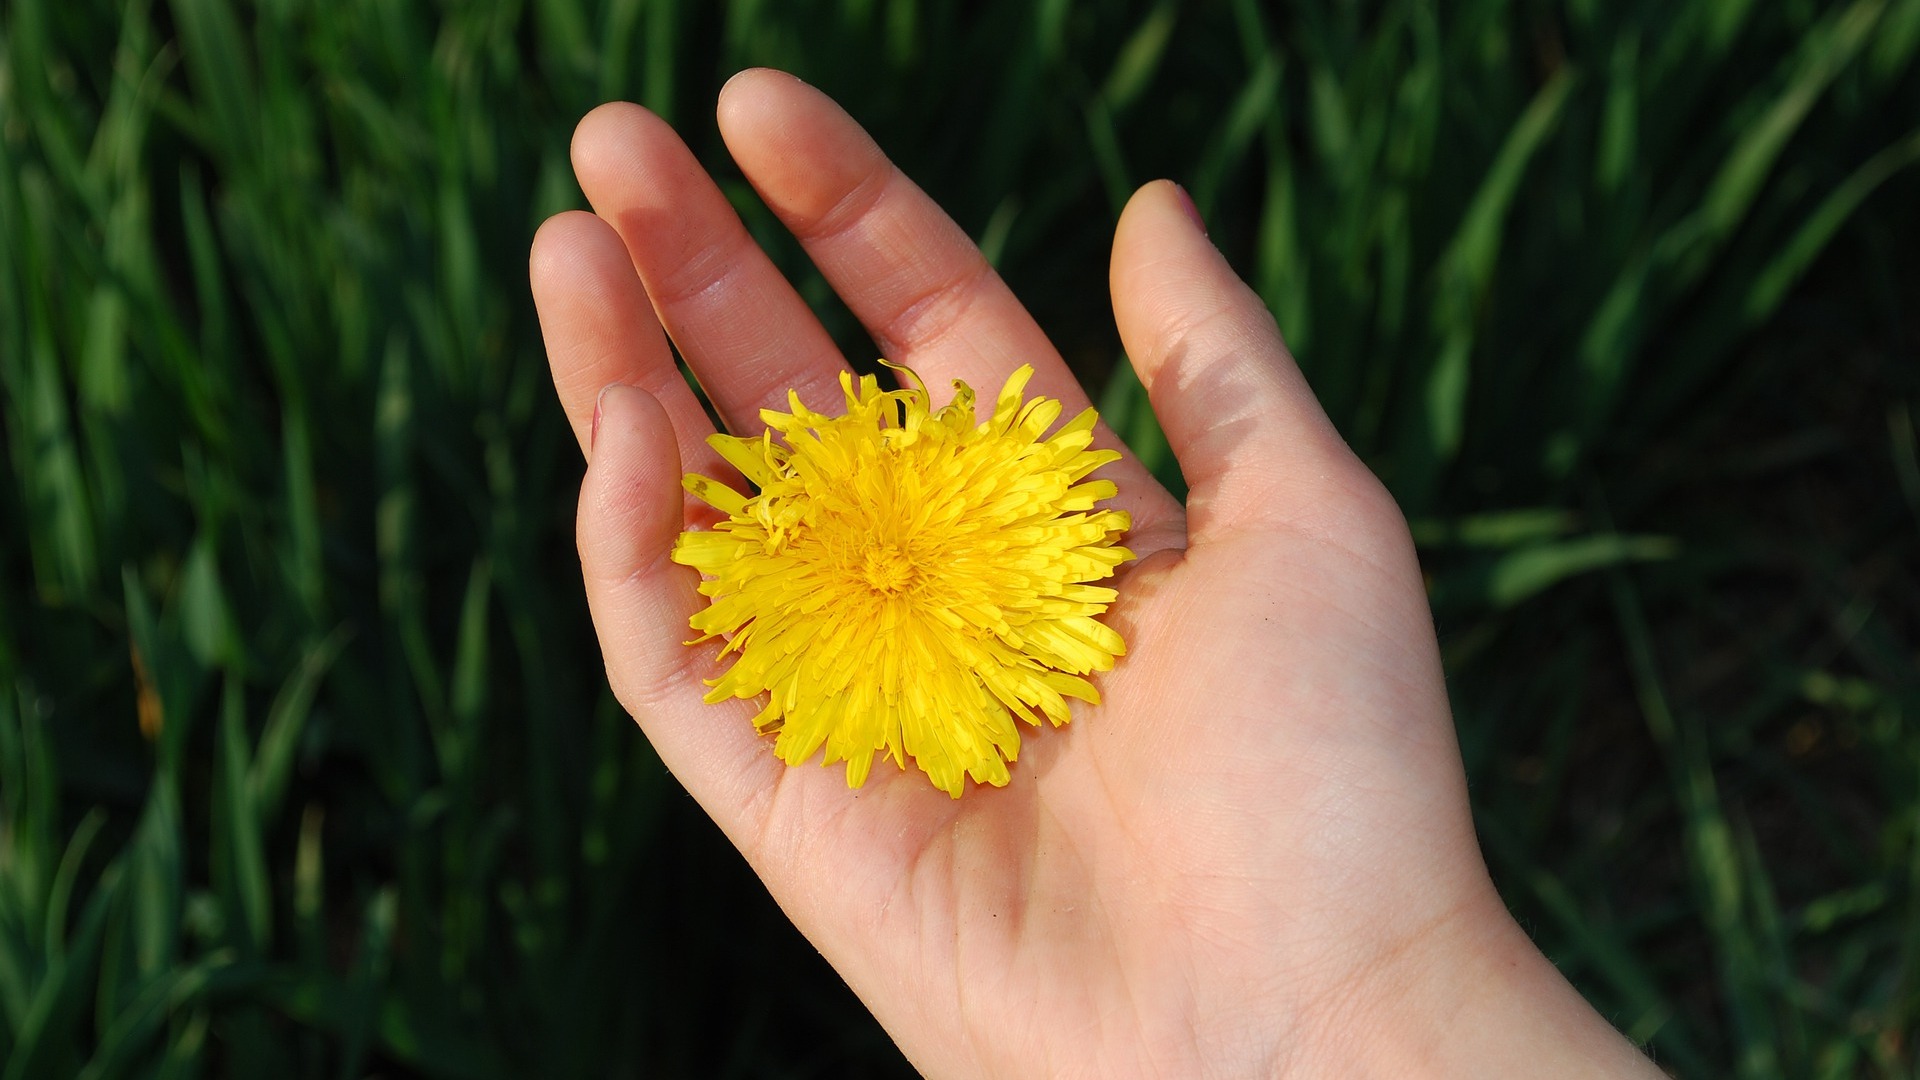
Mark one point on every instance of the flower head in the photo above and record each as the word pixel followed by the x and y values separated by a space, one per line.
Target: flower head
pixel 907 581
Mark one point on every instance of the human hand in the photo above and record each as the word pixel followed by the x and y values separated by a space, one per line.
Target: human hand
pixel 1255 857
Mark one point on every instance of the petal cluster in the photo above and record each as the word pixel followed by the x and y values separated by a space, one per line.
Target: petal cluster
pixel 907 581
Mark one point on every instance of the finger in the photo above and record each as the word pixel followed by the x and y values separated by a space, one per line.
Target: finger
pixel 599 329
pixel 904 268
pixel 1239 416
pixel 630 513
pixel 745 333
pixel 641 602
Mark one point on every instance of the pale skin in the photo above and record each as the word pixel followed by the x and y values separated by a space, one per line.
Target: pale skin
pixel 1255 858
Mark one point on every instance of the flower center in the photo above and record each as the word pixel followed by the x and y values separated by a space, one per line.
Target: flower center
pixel 888 569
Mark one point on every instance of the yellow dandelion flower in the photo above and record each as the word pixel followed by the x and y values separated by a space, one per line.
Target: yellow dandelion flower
pixel 907 580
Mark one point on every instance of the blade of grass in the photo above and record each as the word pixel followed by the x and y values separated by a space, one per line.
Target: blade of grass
pixel 1461 282
pixel 43 1040
pixel 1256 103
pixel 1785 269
pixel 1830 48
pixel 1140 59
pixel 214 51
pixel 60 893
pixel 1513 576
pixel 239 860
pixel 133 1031
pixel 362 1010
pixel 286 721
pixel 1714 859
pixel 1620 122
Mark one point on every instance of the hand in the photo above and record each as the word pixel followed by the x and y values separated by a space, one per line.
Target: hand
pixel 1256 857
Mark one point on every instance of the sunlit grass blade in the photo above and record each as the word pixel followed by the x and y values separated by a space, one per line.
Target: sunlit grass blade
pixel 213 50
pixel 49 1032
pixel 129 1035
pixel 239 851
pixel 1714 859
pixel 1828 49
pixel 1517 573
pixel 1461 281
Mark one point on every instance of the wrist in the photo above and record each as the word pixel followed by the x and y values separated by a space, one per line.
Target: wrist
pixel 1474 997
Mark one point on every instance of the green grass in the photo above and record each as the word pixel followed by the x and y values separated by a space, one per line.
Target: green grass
pixel 1615 296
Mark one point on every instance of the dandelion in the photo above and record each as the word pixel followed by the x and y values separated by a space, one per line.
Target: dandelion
pixel 907 581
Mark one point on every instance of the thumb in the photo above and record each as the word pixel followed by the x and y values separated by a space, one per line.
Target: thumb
pixel 1237 412
pixel 631 511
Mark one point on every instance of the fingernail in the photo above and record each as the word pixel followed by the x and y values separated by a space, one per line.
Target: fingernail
pixel 1192 211
pixel 593 433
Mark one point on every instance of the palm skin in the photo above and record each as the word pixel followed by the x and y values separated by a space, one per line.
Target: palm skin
pixel 1255 857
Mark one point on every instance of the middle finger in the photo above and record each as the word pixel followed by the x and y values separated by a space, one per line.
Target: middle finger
pixel 905 269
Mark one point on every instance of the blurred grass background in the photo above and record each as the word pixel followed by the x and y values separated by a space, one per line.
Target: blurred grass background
pixel 307 768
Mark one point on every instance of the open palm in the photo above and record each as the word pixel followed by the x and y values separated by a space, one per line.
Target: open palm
pixel 1256 852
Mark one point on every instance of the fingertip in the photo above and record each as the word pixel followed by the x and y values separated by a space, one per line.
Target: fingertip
pixel 1212 358
pixel 610 143
pixel 1164 269
pixel 1184 199
pixel 634 424
pixel 598 324
pixel 555 244
pixel 776 125
pixel 629 506
pixel 1167 277
pixel 604 115
pixel 749 85
pixel 588 134
pixel 810 160
pixel 1160 218
pixel 1163 193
